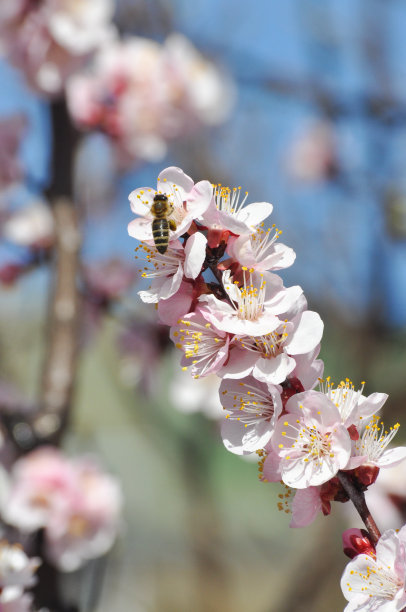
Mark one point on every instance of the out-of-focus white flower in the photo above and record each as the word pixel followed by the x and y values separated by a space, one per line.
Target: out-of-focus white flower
pixel 202 395
pixel 16 569
pixel 73 500
pixel 32 226
pixel 16 574
pixel 50 39
pixel 143 94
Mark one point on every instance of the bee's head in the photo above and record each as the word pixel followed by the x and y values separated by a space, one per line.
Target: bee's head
pixel 160 197
pixel 160 204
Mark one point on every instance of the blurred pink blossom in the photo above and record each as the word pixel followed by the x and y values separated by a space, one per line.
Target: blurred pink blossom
pixel 109 280
pixel 313 155
pixel 73 500
pixel 50 39
pixel 143 94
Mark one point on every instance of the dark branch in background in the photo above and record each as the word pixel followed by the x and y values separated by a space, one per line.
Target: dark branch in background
pixel 357 497
pixel 61 351
pixel 60 360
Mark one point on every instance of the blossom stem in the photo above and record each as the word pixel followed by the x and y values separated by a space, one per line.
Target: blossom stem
pixel 358 499
pixel 213 255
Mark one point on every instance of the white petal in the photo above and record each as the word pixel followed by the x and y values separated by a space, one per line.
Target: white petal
pixel 175 176
pixel 307 334
pixel 274 370
pixel 195 251
pixel 254 213
pixel 392 457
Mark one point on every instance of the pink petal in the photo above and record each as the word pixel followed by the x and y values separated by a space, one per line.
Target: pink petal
pixel 199 199
pixel 306 505
pixel 177 306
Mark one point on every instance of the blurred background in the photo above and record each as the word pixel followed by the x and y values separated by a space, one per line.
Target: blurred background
pixel 303 104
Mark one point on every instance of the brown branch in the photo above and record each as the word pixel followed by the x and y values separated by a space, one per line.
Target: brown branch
pixel 59 366
pixel 358 499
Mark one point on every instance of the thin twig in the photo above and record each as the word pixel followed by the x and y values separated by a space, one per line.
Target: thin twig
pixel 358 499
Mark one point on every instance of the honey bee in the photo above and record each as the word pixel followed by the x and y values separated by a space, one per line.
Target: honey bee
pixel 161 210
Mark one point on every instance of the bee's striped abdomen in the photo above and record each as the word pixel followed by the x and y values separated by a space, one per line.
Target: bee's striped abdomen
pixel 160 233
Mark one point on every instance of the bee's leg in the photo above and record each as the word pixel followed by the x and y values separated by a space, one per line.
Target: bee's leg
pixel 172 224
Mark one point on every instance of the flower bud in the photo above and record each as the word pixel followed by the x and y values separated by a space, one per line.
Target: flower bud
pixel 356 542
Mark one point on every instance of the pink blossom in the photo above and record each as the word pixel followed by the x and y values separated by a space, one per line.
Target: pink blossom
pixel 87 527
pixel 288 350
pixel 354 407
pixel 108 280
pixel 253 408
pixel 253 304
pixel 370 448
pixel 74 501
pixel 168 269
pixel 227 211
pixel 205 348
pixel 310 441
pixel 260 251
pixel 189 200
pixel 377 581
pixel 48 40
pixel 143 95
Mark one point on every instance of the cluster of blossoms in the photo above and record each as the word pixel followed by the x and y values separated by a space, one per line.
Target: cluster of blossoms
pixel 49 39
pixel 143 94
pixel 215 285
pixel 16 575
pixel 76 504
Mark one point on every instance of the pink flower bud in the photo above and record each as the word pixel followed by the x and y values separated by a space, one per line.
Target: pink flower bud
pixel 356 542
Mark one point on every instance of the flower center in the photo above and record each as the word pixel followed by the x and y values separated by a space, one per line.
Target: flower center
pixel 269 345
pixel 158 264
pixel 344 396
pixel 379 582
pixel 229 200
pixel 262 241
pixel 200 343
pixel 375 439
pixel 308 442
pixel 248 299
pixel 251 405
